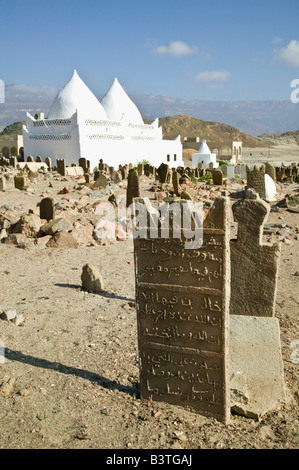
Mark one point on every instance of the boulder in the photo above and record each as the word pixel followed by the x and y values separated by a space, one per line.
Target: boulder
pixel 91 278
pixel 62 240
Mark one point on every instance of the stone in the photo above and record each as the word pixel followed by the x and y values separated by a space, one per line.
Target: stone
pixel 29 225
pixel 2 183
pixel 256 366
pixel 62 240
pixel 61 166
pixel 9 314
pixel 182 302
pixel 270 170
pixel 256 179
pixel 7 387
pixel 132 187
pixel 74 171
pixel 21 182
pixel 254 265
pixel 162 172
pixel 175 182
pixel 217 177
pixel 101 181
pixel 91 278
pixel 47 209
pixel 83 233
pixel 56 225
pixel 18 239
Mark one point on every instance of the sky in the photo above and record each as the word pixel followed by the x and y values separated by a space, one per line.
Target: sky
pixel 190 49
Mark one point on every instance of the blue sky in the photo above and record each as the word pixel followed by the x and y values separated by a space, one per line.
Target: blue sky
pixel 190 49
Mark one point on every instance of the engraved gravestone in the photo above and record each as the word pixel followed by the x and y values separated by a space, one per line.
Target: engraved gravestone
pixel 254 265
pixel 182 298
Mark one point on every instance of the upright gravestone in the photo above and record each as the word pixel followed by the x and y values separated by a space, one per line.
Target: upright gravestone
pixel 230 171
pixel 2 183
pixel 139 169
pixel 270 170
pixel 39 159
pixel 47 209
pixel 30 158
pixel 48 162
pixel 101 165
pixel 132 187
pixel 182 298
pixel 254 265
pixel 217 177
pixel 60 163
pixel 21 182
pixel 162 172
pixel 256 179
pixel 175 182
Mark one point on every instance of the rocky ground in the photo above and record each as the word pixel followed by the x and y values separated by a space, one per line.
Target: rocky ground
pixel 69 378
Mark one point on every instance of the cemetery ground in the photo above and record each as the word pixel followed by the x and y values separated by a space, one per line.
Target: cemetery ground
pixel 70 374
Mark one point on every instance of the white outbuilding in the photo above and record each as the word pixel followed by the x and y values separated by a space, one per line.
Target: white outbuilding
pixel 204 156
pixel 80 126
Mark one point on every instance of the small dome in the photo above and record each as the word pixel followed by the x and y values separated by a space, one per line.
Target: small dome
pixel 204 149
pixel 76 96
pixel 119 106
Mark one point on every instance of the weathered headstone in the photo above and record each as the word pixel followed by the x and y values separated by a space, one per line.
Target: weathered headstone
pixel 61 166
pixel 254 265
pixel 38 159
pixel 30 158
pixel 47 208
pixel 101 165
pixel 230 171
pixel 132 187
pixel 256 179
pixel 162 172
pixel 48 162
pixel 175 182
pixel 101 181
pixel 182 316
pixel 217 177
pixel 270 170
pixel 21 182
pixel 2 183
pixel 87 178
pixel 139 169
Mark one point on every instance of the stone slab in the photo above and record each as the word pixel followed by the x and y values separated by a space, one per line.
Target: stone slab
pixel 256 366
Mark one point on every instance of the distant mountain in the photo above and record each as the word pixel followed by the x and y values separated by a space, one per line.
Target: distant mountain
pixel 215 133
pixel 251 117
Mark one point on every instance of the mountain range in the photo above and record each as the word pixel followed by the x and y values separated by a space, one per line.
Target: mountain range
pixel 251 117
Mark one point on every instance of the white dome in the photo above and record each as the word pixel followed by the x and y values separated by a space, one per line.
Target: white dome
pixel 119 106
pixel 76 96
pixel 204 149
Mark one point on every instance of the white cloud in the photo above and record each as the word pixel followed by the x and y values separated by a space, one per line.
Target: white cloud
pixel 290 53
pixel 212 77
pixel 277 40
pixel 176 48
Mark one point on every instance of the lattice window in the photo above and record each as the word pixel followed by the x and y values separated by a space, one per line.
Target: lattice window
pixel 90 122
pixel 52 122
pixel 105 136
pixel 50 137
pixel 141 137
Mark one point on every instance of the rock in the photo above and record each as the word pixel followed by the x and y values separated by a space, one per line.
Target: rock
pixel 7 387
pixel 8 314
pixel 29 225
pixel 83 233
pixel 57 225
pixel 18 320
pixel 91 278
pixel 18 239
pixel 62 240
pixel 257 385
